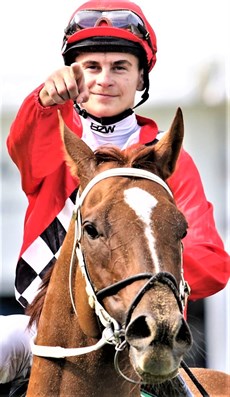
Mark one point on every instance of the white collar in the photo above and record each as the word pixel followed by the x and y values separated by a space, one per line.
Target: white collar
pixel 122 134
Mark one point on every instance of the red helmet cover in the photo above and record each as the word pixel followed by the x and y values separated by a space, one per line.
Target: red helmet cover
pixel 108 5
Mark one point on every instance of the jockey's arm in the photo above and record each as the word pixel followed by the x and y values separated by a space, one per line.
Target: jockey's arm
pixel 206 263
pixel 34 142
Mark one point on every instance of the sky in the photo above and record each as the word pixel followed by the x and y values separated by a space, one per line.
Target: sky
pixel 192 40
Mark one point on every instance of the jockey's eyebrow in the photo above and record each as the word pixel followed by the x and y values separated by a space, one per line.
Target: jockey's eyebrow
pixel 120 62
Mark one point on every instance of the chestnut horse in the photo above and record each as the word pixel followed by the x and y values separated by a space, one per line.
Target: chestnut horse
pixel 112 318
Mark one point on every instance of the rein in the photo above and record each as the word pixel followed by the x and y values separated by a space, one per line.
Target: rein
pixel 113 332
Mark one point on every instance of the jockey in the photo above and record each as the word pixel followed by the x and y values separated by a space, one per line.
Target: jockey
pixel 109 49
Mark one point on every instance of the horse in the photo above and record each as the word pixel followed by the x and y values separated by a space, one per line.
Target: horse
pixel 110 315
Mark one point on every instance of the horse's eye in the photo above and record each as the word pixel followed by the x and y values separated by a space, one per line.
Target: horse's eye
pixel 91 230
pixel 184 235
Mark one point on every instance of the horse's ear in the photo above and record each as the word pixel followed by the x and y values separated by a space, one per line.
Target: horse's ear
pixel 168 147
pixel 78 155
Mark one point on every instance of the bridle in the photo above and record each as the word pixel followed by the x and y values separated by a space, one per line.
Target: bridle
pixel 113 332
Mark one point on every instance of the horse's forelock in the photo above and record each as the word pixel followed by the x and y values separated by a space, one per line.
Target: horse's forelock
pixel 137 156
pixel 110 154
pixel 142 157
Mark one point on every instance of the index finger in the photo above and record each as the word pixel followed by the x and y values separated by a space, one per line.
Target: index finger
pixel 77 73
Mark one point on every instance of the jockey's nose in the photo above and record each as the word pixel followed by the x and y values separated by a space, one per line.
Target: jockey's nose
pixel 104 78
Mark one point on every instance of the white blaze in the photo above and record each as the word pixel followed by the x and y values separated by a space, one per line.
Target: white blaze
pixel 143 203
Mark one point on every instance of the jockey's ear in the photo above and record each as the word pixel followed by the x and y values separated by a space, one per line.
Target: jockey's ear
pixel 167 149
pixel 79 157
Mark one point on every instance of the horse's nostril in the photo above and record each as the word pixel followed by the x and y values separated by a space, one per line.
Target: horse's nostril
pixel 140 332
pixel 144 331
pixel 183 334
pixel 138 328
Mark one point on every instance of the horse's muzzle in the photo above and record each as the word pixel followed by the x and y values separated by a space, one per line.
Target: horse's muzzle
pixel 157 346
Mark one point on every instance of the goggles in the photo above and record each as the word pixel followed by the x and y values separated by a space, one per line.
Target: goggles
pixel 123 19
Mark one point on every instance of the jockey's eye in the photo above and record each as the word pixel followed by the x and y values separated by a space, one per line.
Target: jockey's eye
pixel 91 230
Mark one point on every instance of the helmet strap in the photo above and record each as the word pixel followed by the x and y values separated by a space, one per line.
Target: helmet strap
pixel 145 94
pixel 144 98
pixel 103 120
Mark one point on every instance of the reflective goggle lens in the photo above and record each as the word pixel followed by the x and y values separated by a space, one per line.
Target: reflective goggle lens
pixel 123 19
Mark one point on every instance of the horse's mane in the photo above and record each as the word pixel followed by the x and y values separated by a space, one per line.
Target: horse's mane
pixel 136 156
pixel 35 308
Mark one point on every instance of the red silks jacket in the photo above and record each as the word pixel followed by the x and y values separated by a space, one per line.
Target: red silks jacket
pixel 35 146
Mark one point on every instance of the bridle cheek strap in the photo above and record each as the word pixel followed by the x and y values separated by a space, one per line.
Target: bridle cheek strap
pixel 104 317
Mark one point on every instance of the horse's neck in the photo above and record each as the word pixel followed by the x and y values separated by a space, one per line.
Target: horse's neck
pixel 88 375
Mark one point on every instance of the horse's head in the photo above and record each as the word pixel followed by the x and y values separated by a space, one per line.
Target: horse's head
pixel 131 232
